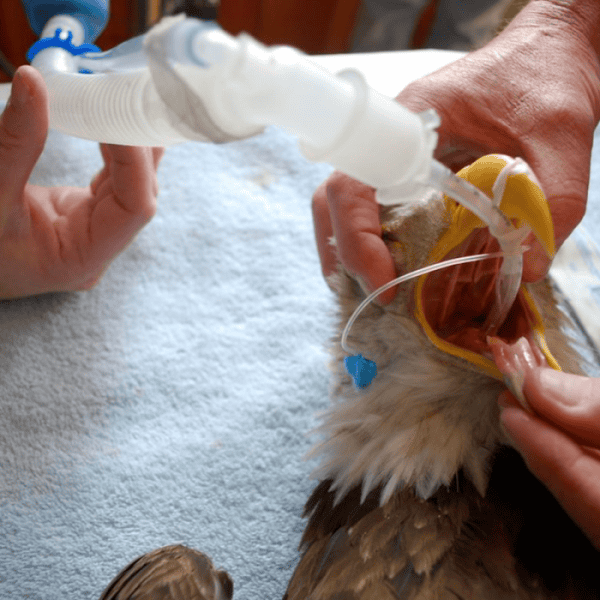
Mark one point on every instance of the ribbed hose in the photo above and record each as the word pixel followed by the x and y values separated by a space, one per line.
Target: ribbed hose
pixel 118 108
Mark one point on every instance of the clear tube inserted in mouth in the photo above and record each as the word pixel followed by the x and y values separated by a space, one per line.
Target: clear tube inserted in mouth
pixel 509 238
pixel 413 274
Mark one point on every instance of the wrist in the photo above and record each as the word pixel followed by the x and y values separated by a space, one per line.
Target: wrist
pixel 580 18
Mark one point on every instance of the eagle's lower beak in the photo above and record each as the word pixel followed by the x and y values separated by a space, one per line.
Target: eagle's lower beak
pixel 451 308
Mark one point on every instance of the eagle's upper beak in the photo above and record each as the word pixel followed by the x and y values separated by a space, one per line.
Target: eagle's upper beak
pixel 452 304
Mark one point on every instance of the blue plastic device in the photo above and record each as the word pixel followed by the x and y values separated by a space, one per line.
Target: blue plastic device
pixel 93 14
pixel 66 44
pixel 361 369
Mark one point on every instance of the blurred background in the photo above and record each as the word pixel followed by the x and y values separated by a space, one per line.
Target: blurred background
pixel 314 26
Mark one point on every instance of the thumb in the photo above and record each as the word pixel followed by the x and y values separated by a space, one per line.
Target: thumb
pixel 23 130
pixel 570 402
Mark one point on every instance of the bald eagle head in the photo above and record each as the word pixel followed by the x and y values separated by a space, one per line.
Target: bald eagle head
pixel 432 409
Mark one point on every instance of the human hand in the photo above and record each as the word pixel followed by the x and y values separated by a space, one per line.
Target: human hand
pixel 533 92
pixel 560 440
pixel 63 238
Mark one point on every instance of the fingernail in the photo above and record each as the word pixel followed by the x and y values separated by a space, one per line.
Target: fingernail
pixel 20 93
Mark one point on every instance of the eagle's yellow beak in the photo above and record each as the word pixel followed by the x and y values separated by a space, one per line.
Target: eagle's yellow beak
pixel 525 204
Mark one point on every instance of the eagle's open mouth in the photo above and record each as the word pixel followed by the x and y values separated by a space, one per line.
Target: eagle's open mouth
pixel 453 304
pixel 457 300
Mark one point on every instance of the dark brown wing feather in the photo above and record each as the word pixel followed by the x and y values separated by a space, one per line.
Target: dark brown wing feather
pixel 365 551
pixel 170 573
pixel 517 543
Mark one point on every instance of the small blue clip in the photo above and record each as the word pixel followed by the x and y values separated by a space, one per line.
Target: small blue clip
pixel 361 369
pixel 58 42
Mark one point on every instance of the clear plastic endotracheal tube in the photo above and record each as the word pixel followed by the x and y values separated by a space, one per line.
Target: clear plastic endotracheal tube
pixel 510 238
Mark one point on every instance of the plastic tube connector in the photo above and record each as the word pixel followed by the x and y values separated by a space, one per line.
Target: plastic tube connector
pixel 60 40
pixel 207 85
pixel 396 144
pixel 338 118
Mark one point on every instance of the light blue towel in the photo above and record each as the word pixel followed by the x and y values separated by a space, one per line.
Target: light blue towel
pixel 171 404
